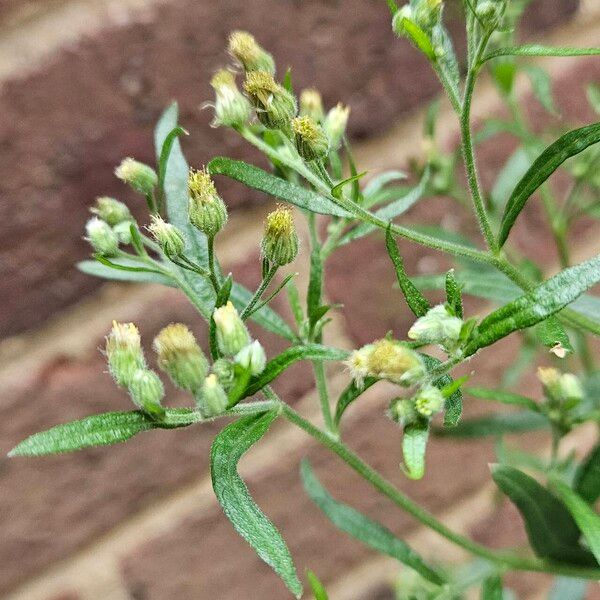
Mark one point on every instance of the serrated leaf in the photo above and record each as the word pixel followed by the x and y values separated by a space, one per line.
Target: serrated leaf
pixel 415 300
pixel 349 395
pixel 233 496
pixel 587 478
pixel 552 531
pixel 280 363
pixel 540 50
pixel 546 299
pixel 504 397
pixel 587 520
pixel 258 179
pixel 366 530
pixel 414 446
pixel 495 425
pixel 96 269
pixel 568 145
pixel 317 588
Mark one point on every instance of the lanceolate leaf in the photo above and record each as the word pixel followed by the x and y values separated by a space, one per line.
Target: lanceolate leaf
pixel 585 517
pixel 280 363
pixel 247 519
pixel 539 50
pixel 365 529
pixel 552 531
pixel 533 307
pixel 349 395
pixel 504 397
pixel 317 588
pixel 496 425
pixel 550 160
pixel 587 479
pixel 258 179
pixel 414 446
pixel 415 300
pixel 93 267
pixel 454 294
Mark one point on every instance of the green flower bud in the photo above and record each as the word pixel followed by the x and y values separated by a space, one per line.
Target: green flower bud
pixel 429 401
pixel 275 106
pixel 102 238
pixel 560 387
pixel 358 364
pixel 213 400
pixel 311 105
pixel 424 13
pixel 206 209
pixel 168 237
pixel 140 177
pixel 232 108
pixel 111 211
pixel 490 12
pixel 438 326
pixel 311 141
pixel 180 356
pixel 223 368
pixel 403 411
pixel 123 232
pixel 252 357
pixel 244 48
pixel 335 124
pixel 232 334
pixel 147 391
pixel 124 352
pixel 280 240
pixel 395 362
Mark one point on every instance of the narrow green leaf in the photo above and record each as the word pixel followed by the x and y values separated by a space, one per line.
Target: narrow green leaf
pixel 287 81
pixel 539 50
pixel 282 362
pixel 551 333
pixel 415 300
pixel 491 589
pixel 317 588
pixel 97 430
pixel 541 82
pixel 568 145
pixel 587 520
pixel 453 403
pixel 258 179
pixel 546 299
pixel 552 532
pixel 454 293
pixel 165 152
pixel 349 395
pixel 96 269
pixel 364 529
pixel 419 38
pixel 314 292
pixel 495 425
pixel 514 170
pixel 231 492
pixel 336 190
pixel 224 292
pixel 593 96
pixel 587 478
pixel 379 181
pixel 414 446
pixel 121 266
pixel 504 397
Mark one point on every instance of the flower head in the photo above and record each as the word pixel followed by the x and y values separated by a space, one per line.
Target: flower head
pixel 311 141
pixel 124 352
pixel 275 106
pixel 244 48
pixel 139 176
pixel 206 209
pixel 280 240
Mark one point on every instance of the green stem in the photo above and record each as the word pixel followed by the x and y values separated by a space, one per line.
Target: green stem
pixel 468 151
pixel 321 380
pixel 211 263
pixel 259 292
pixel 504 558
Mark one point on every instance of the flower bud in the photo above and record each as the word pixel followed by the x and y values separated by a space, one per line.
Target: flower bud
pixel 429 401
pixel 438 326
pixel 403 411
pixel 358 364
pixel 244 48
pixel 232 108
pixel 275 106
pixel 123 232
pixel 560 387
pixel 490 12
pixel 180 356
pixel 140 177
pixel 223 368
pixel 214 399
pixel 335 124
pixel 311 105
pixel 102 238
pixel 232 334
pixel 147 391
pixel 206 209
pixel 311 141
pixel 168 237
pixel 395 362
pixel 111 211
pixel 124 352
pixel 280 240
pixel 252 357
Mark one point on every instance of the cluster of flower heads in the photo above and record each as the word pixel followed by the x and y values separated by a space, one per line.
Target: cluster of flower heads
pixel 313 131
pixel 398 363
pixel 182 359
pixel 563 396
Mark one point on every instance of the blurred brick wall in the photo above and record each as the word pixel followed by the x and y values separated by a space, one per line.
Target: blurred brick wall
pixel 139 521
